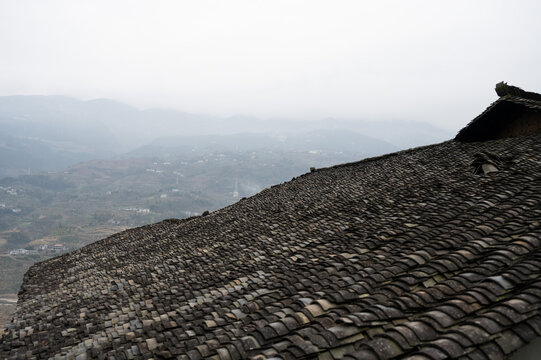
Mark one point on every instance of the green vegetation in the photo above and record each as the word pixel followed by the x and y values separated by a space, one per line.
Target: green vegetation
pixel 17 240
pixel 13 269
pixel 6 310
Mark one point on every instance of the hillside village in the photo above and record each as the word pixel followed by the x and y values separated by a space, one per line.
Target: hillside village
pixel 45 249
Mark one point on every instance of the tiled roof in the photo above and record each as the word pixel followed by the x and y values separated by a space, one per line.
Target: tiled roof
pixel 410 255
pixel 482 121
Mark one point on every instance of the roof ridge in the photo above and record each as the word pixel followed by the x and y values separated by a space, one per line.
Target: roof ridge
pixel 503 89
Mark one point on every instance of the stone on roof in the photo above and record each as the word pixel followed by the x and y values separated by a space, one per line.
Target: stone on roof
pixel 503 89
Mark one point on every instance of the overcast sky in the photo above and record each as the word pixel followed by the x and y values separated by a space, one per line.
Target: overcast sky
pixel 435 61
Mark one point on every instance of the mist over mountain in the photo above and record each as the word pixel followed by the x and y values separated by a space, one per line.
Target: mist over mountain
pixel 49 133
pixel 314 141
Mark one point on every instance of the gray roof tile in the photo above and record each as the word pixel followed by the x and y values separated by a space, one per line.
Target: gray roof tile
pixel 324 265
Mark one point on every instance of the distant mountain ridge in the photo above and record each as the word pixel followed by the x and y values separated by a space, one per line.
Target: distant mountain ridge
pixel 329 141
pixel 49 133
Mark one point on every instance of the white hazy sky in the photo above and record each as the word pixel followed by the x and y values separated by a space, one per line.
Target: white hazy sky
pixel 435 61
